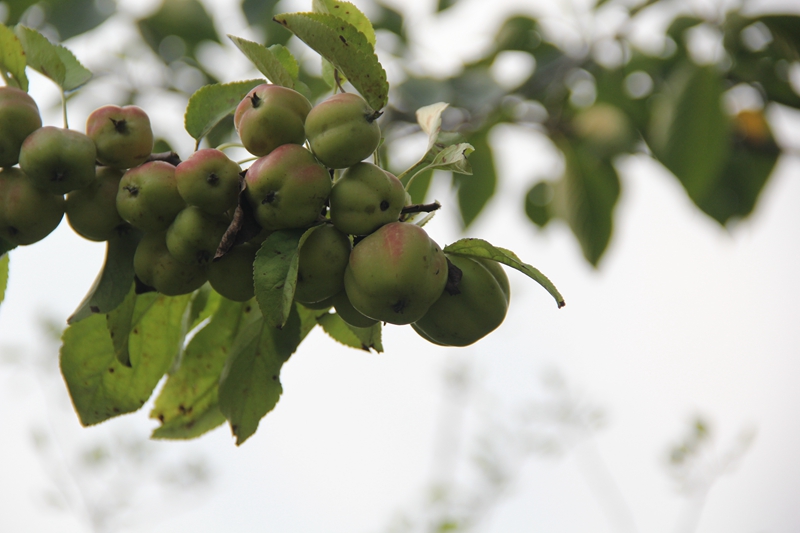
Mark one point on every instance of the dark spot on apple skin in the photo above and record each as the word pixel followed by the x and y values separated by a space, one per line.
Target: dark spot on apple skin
pixel 111 370
pixel 384 205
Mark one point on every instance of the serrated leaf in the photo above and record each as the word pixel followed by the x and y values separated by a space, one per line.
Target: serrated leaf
pixel 12 59
pixel 287 59
pixel 250 384
pixel 275 274
pixel 586 196
pixel 348 12
pixel 114 280
pixel 99 385
pixel 268 62
pixel 188 405
pixel 479 248
pixel 3 276
pixel 342 332
pixel 346 48
pixel 52 60
pixel 211 103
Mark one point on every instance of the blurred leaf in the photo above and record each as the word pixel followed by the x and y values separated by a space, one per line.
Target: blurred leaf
pixel 445 4
pixel 737 187
pixel 188 405
pixel 99 385
pixel 538 203
pixel 689 132
pixel 268 62
pixel 418 189
pixel 260 13
pixel 520 33
pixel 52 60
pixel 211 103
pixel 114 280
pixel 344 333
pixel 347 12
pixel 346 48
pixel 785 30
pixel 678 28
pixel 479 248
pixel 12 59
pixel 3 276
pixel 275 274
pixel 222 132
pixel 586 196
pixel 475 191
pixel 186 19
pixel 73 17
pixel 390 20
pixel 250 384
pixel 16 9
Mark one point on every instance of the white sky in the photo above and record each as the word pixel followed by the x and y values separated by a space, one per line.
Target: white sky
pixel 682 318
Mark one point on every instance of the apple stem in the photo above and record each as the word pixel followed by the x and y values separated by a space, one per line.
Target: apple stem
pixel 420 208
pixel 64 109
pixel 225 146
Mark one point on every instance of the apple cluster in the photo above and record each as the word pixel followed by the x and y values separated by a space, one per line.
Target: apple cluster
pixel 361 258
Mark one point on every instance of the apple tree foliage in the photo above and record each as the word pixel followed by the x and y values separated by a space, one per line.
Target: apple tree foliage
pixel 222 358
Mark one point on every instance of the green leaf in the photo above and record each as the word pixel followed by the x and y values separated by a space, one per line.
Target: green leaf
pixel 100 386
pixel 689 132
pixel 347 48
pixel 585 198
pixel 211 103
pixel 52 60
pixel 74 17
pixel 270 63
pixel 185 19
pixel 114 280
pixel 344 333
pixel 475 191
pixel 275 274
pixel 538 203
pixel 479 248
pixel 12 59
pixel 250 384
pixel 3 276
pixel 347 12
pixel 188 405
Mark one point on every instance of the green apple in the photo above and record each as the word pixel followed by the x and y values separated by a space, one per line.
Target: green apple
pixel 477 309
pixel 270 116
pixel 148 196
pixel 350 314
pixel 321 264
pixel 27 214
pixel 58 160
pixel 232 274
pixel 156 268
pixel 342 130
pixel 19 117
pixel 92 211
pixel 123 135
pixel 365 198
pixel 395 274
pixel 194 235
pixel 209 180
pixel 287 188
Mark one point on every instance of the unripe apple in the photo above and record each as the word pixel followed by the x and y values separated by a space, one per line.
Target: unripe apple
pixel 156 268
pixel 270 116
pixel 123 135
pixel 322 260
pixel 194 235
pixel 287 188
pixel 232 274
pixel 209 180
pixel 27 214
pixel 92 211
pixel 365 198
pixel 148 196
pixel 19 117
pixel 342 130
pixel 58 160
pixel 348 313
pixel 395 274
pixel 478 309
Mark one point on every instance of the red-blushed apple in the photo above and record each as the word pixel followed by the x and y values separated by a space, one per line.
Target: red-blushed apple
pixel 123 135
pixel 270 116
pixel 148 197
pixel 342 130
pixel 209 179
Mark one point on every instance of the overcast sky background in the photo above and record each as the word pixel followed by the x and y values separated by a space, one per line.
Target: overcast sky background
pixel 683 318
